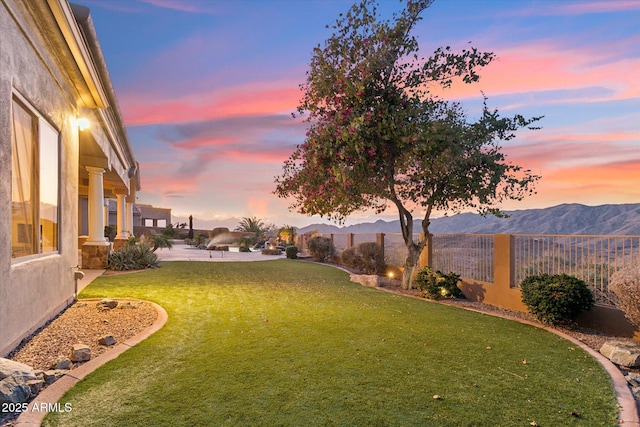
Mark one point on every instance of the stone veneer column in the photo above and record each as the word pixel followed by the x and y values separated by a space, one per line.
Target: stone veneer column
pixel 95 251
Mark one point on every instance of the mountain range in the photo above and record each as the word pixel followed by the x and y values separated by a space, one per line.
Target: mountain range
pixel 621 219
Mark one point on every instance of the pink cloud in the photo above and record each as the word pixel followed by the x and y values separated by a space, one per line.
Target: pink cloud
pixel 591 7
pixel 195 143
pixel 611 183
pixel 543 66
pixel 549 151
pixel 253 99
pixel 186 5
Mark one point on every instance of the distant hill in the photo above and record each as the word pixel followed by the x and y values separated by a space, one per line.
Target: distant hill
pixel 621 219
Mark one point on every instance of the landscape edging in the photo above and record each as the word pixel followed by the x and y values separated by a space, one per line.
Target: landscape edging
pixel 33 416
pixel 628 408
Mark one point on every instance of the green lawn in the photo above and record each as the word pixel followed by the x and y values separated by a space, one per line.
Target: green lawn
pixel 291 343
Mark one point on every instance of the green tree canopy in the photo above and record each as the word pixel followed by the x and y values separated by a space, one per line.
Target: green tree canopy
pixel 378 136
pixel 255 225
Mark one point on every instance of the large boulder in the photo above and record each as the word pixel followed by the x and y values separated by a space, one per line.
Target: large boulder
pixel 14 389
pixel 10 368
pixel 623 353
pixel 370 280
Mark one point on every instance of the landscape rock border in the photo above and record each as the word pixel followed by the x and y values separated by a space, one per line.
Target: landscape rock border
pixel 33 416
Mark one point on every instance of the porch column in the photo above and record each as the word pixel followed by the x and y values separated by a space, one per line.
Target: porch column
pixel 129 217
pixel 105 212
pixel 121 216
pixel 96 205
pixel 95 251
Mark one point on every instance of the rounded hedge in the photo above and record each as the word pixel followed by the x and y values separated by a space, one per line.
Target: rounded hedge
pixel 556 299
pixel 292 252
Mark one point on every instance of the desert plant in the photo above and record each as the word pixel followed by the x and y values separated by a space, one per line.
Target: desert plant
pixel 438 285
pixel 625 284
pixel 135 257
pixel 372 255
pixel 556 299
pixel 244 248
pixel 156 241
pixel 367 257
pixel 292 252
pixel 321 248
pixel 351 258
pixel 170 231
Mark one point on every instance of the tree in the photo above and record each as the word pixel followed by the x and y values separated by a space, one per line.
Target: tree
pixel 156 241
pixel 190 227
pixel 379 137
pixel 255 225
pixel 287 234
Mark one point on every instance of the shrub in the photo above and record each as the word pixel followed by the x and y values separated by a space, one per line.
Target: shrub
pixel 170 231
pixel 556 299
pixel 138 257
pixel 321 248
pixel 351 258
pixel 437 285
pixel 625 283
pixel 292 252
pixel 110 232
pixel 367 257
pixel 244 249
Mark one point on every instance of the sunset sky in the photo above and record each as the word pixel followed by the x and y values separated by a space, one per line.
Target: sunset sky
pixel 207 88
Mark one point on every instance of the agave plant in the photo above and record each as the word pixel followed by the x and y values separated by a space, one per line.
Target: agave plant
pixel 133 257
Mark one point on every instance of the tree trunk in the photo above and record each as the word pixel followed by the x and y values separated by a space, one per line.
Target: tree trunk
pixel 410 264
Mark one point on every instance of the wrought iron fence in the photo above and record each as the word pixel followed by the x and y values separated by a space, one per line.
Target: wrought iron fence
pixel 469 255
pixel 591 258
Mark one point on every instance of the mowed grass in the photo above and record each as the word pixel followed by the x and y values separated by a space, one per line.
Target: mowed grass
pixel 289 343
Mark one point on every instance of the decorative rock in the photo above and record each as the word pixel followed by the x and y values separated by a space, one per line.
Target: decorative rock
pixel 126 304
pixel 62 362
pixel 80 353
pixel 14 389
pixel 622 353
pixel 35 386
pixel 107 340
pixel 370 280
pixel 54 375
pixel 107 303
pixel 10 367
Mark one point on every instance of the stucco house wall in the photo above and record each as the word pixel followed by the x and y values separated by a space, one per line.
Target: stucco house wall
pixel 46 61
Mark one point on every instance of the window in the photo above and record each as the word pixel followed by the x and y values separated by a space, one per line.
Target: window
pixel 34 183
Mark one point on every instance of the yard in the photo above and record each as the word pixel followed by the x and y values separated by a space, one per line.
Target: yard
pixel 293 343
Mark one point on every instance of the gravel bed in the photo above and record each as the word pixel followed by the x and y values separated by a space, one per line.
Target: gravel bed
pixel 81 323
pixel 84 323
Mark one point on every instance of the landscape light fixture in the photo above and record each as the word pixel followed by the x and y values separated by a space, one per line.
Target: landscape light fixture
pixel 83 123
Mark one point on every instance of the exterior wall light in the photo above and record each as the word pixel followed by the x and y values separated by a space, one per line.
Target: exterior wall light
pixel 83 123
